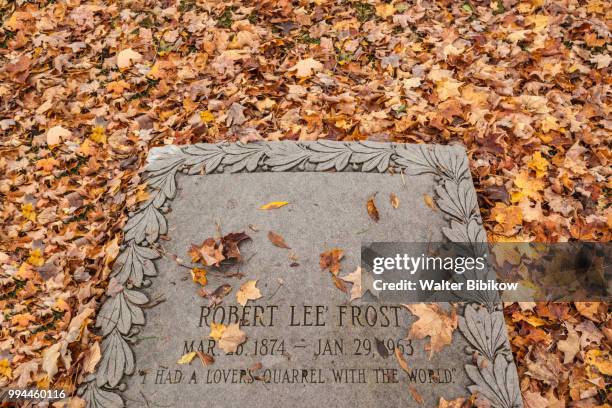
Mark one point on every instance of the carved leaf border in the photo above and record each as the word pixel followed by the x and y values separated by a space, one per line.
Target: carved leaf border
pixel 482 323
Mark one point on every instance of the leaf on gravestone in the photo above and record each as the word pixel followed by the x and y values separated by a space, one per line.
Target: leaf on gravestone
pixel 248 291
pixel 216 330
pixel 198 275
pixel 401 360
pixel 127 57
pixel 277 240
pixel 186 359
pixel 273 204
pixel 231 338
pixel 570 346
pixel 206 359
pixel 372 210
pixel 330 260
pixel 429 201
pixel 209 252
pixel 339 283
pixel 230 245
pixel 456 403
pixel 56 134
pixel 355 279
pixel 395 202
pixel 305 68
pixel 235 115
pixel 434 322
pixel 415 395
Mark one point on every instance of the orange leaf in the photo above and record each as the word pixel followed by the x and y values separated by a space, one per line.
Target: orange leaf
pixel 372 210
pixel 277 240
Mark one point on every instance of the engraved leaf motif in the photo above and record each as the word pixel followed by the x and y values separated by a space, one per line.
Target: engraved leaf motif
pixel 286 155
pixel 244 156
pixel 121 312
pixel 117 359
pixel 328 155
pixel 147 224
pixel 372 155
pixel 134 263
pixel 457 199
pixel 97 397
pixel 485 331
pixel 203 155
pixel 498 382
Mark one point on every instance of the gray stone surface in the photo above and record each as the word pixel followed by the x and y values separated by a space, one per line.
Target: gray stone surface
pixel 326 210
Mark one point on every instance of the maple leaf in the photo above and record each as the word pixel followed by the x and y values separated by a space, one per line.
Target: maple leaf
pixel 207 116
pixel 434 322
pixel 198 275
pixel 355 279
pixel 36 258
pixel 247 292
pixel 331 260
pixel 5 369
pixel 27 210
pixel 305 68
pixel 447 88
pixel 538 163
pixel 273 205
pixel 127 57
pixel 529 187
pixel 98 134
pixel 371 208
pixel 235 115
pixel 231 338
pixel 277 240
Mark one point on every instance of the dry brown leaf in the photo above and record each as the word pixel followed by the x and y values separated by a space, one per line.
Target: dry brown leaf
pixel 306 67
pixel 429 202
pixel 395 202
pixel 401 360
pixel 127 57
pixel 355 279
pixel 434 322
pixel 372 210
pixel 231 338
pixel 205 358
pixel 330 260
pixel 415 395
pixel 198 275
pixel 456 403
pixel 570 346
pixel 248 291
pixel 277 240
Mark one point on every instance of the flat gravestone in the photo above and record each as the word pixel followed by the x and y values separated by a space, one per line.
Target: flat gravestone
pixel 308 344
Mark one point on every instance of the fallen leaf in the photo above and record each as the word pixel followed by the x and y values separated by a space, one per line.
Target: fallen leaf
pixel 235 115
pixel 330 260
pixel 372 210
pixel 429 201
pixel 248 291
pixel 198 275
pixel 205 358
pixel 273 205
pixel 570 346
pixel 277 240
pixel 186 359
pixel 36 258
pixel 49 359
pixel 456 403
pixel 216 330
pixel 401 360
pixel 28 212
pixel 415 395
pixel 127 57
pixel 56 134
pixel 355 279
pixel 305 68
pixel 434 322
pixel 5 369
pixel 395 202
pixel 231 338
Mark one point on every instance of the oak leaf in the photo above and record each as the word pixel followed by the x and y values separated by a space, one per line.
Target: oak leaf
pixel 434 322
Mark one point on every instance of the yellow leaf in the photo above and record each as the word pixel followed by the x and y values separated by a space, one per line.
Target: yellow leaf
pixel 273 205
pixel 186 359
pixel 247 292
pixel 216 330
pixel 539 21
pixel 385 10
pixel 98 135
pixel 36 258
pixel 198 275
pixel 5 369
pixel 207 116
pixel 27 210
pixel 535 321
pixel 529 187
pixel 600 360
pixel 539 164
pixel 447 88
pixel 429 201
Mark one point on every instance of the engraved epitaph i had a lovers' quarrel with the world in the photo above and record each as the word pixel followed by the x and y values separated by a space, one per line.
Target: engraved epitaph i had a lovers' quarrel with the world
pixel 298 337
